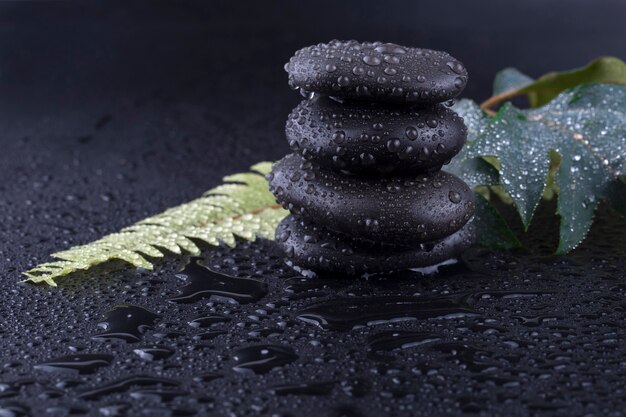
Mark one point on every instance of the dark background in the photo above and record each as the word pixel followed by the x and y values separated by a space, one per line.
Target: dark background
pixel 54 48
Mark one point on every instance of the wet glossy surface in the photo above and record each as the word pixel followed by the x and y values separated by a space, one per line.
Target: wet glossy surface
pixel 499 333
pixel 374 139
pixel 411 210
pixel 376 71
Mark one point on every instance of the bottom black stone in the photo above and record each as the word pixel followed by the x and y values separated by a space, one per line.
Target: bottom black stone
pixel 311 247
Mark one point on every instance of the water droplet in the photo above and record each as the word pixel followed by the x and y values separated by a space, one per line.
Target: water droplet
pixel 339 136
pixel 207 321
pixel 125 384
pixel 394 145
pixel 126 322
pixel 454 197
pixel 346 313
pixel 315 388
pixel 367 159
pixel 206 283
pixel 390 48
pixel 151 353
pixel 372 224
pixel 343 81
pixel 358 71
pixel 411 133
pixel 76 364
pixel 261 359
pixel 432 123
pixel 457 67
pixel 391 59
pixel 399 339
pixel 371 60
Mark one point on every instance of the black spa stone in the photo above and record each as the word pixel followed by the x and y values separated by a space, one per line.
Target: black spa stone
pixel 312 247
pixel 406 210
pixel 377 71
pixel 368 138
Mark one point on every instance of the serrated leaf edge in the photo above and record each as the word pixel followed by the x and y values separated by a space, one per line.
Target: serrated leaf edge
pixel 240 207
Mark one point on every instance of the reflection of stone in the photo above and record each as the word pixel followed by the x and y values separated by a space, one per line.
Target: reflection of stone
pixel 364 186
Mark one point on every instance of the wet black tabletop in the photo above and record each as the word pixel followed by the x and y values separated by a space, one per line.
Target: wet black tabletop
pixel 113 112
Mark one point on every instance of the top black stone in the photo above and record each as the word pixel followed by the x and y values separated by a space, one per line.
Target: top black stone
pixel 377 71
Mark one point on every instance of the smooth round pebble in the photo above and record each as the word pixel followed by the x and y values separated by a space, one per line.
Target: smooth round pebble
pixel 311 247
pixel 368 138
pixel 395 210
pixel 376 71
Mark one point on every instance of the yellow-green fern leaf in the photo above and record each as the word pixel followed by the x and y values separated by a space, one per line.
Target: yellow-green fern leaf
pixel 241 207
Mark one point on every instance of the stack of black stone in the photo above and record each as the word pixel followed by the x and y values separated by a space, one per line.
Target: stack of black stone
pixel 364 185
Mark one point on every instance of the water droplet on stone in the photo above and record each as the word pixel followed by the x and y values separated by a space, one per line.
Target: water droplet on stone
pixel 432 123
pixel 411 133
pixel 371 60
pixel 394 145
pixel 343 81
pixel 457 67
pixel 454 197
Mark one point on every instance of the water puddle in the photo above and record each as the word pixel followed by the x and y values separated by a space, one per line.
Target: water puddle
pixel 76 364
pixel 127 323
pixel 125 384
pixel 344 314
pixel 152 353
pixel 206 283
pixel 261 359
pixel 316 389
pixel 400 339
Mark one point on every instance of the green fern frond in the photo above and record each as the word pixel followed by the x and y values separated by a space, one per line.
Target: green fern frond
pixel 243 206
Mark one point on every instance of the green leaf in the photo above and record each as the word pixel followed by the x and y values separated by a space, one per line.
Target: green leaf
pixel 523 160
pixel 492 229
pixel 243 206
pixel 510 82
pixel 474 118
pixel 586 126
pixel 475 171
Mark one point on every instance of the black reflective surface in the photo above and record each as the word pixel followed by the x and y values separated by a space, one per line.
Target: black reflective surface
pixel 497 334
